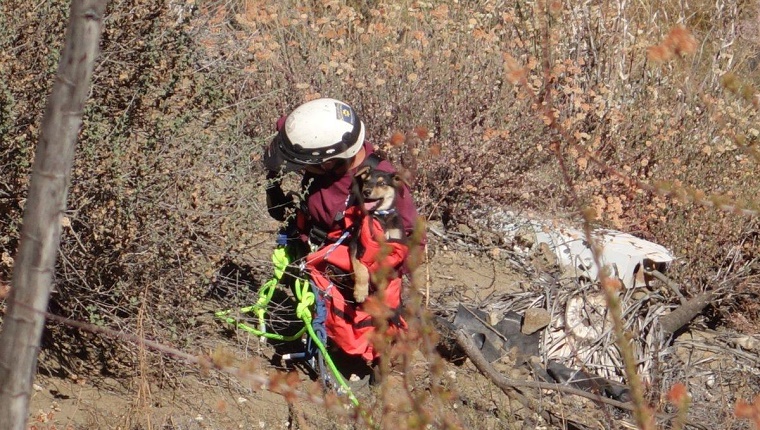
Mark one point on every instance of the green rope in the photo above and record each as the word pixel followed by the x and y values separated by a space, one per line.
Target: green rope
pixel 306 299
pixel 281 258
pixel 223 315
pixel 304 313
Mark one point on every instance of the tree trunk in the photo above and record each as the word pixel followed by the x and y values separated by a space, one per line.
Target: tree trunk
pixel 35 263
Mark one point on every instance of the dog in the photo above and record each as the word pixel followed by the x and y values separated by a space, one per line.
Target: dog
pixel 376 192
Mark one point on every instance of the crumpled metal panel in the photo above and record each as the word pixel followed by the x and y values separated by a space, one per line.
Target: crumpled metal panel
pixel 625 254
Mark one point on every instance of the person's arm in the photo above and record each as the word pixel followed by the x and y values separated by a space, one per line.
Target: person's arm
pixel 277 202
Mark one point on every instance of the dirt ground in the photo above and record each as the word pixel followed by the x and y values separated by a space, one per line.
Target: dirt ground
pixel 717 367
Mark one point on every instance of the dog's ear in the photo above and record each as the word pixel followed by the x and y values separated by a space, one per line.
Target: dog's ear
pixel 363 172
pixel 399 181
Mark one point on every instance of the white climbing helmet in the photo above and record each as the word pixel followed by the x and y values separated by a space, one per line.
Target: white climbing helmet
pixel 317 131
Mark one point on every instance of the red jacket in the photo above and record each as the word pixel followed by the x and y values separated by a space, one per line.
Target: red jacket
pixel 349 324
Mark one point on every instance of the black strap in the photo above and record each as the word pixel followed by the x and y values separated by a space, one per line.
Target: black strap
pixel 317 236
pixel 396 319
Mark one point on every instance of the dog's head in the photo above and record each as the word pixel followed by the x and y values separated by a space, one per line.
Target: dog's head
pixel 378 189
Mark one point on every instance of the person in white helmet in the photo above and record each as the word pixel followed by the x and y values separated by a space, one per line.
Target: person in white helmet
pixel 325 140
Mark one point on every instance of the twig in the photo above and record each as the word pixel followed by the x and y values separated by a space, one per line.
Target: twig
pixel 296 417
pixel 672 285
pixel 427 279
pixel 437 233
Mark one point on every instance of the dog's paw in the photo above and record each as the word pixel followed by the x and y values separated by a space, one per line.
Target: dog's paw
pixel 360 293
pixel 361 281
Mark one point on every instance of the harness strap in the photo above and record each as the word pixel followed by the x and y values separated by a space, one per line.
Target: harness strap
pixel 395 319
pixel 336 244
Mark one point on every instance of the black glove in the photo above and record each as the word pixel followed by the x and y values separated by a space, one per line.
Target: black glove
pixel 278 204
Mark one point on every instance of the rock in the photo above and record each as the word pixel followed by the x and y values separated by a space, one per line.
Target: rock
pixel 494 318
pixel 747 343
pixel 640 295
pixel 452 374
pixel 486 238
pixel 534 320
pixel 710 382
pixel 544 259
pixel 524 238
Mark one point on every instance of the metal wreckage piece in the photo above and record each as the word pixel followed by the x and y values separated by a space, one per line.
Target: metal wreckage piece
pixel 505 337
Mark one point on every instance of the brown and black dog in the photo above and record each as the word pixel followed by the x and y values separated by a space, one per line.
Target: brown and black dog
pixel 377 192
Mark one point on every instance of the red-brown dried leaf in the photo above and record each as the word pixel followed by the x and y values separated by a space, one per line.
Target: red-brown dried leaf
pixel 397 138
pixel 677 394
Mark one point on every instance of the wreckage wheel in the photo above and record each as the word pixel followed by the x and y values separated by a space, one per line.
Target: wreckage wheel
pixel 586 316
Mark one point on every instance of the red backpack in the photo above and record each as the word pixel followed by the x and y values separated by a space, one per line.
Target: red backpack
pixel 348 325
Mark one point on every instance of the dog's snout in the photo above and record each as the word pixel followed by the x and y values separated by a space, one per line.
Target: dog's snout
pixel 367 192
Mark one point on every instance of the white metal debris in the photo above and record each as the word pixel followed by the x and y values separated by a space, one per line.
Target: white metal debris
pixel 626 255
